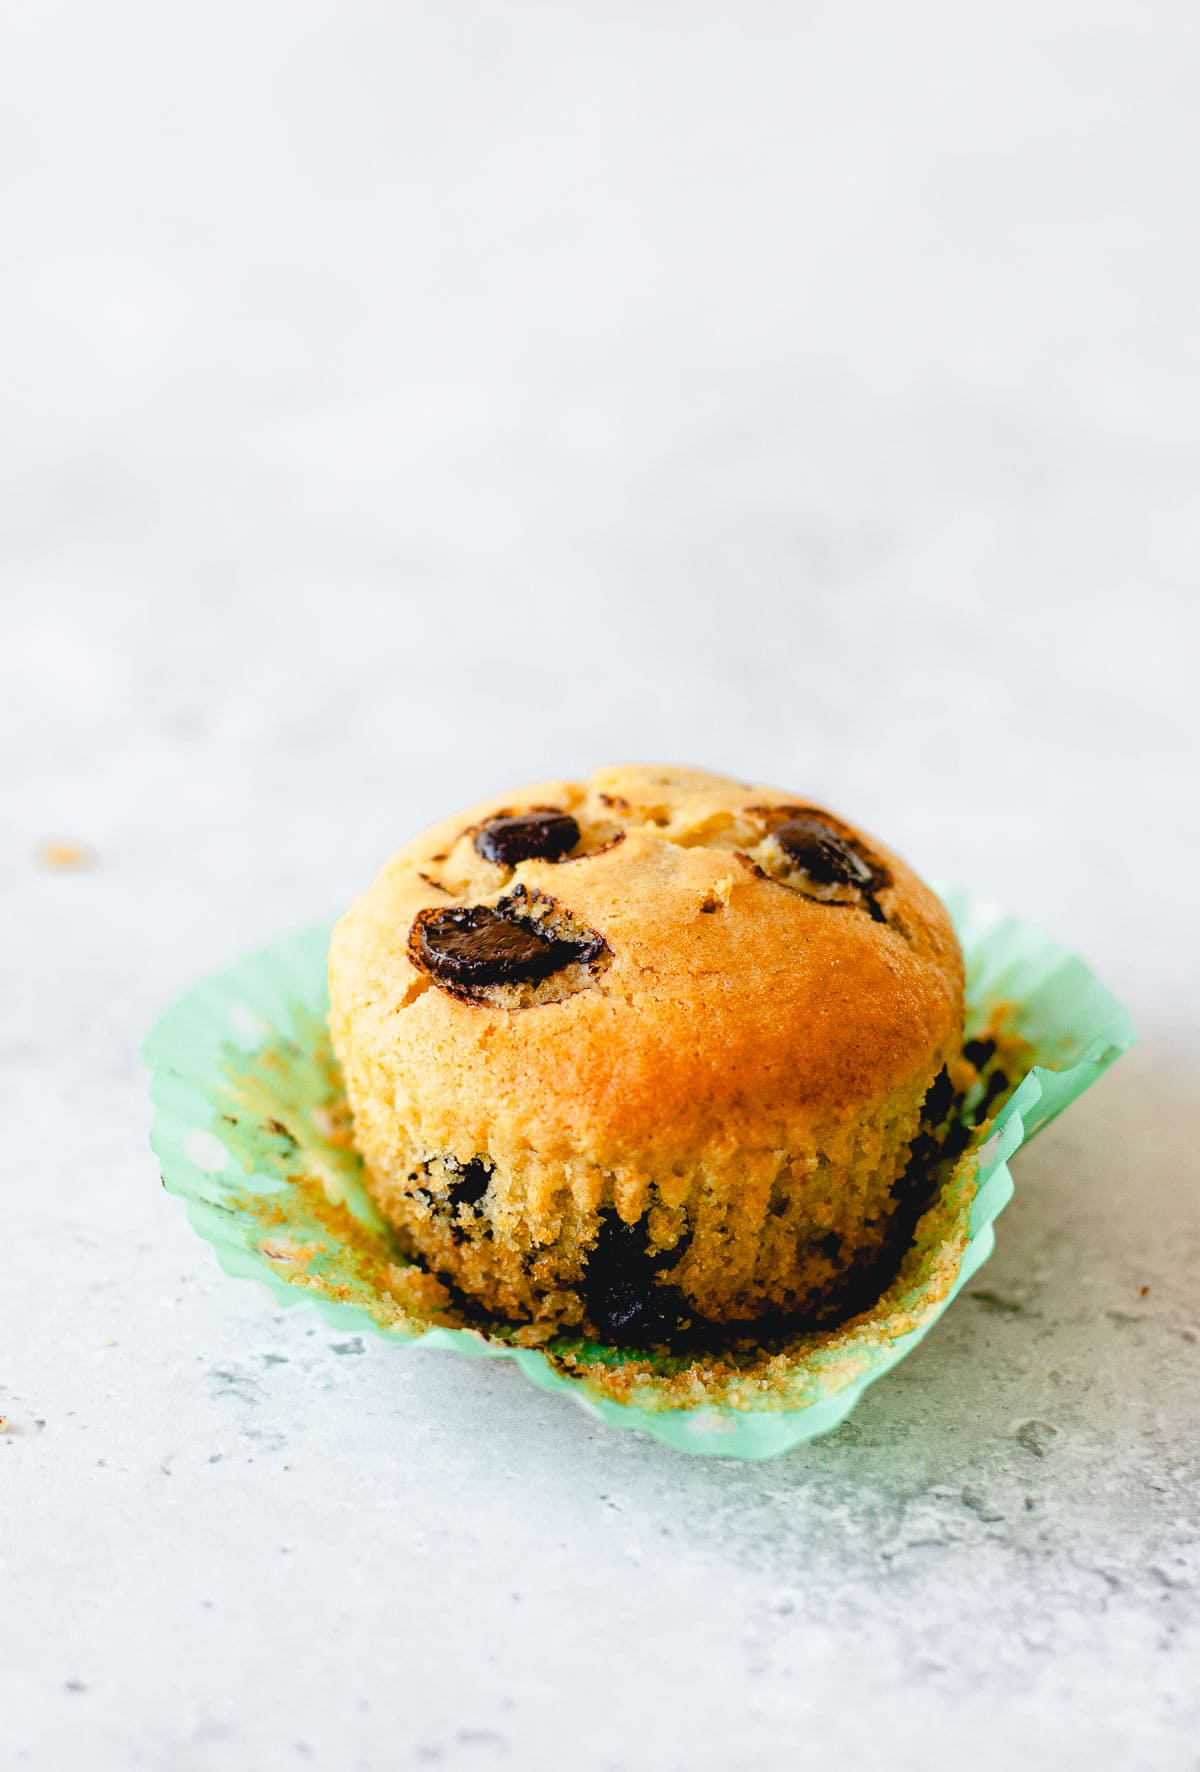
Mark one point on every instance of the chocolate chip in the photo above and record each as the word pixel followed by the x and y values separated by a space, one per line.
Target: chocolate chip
pixel 824 855
pixel 977 1052
pixel 624 1300
pixel 922 1154
pixel 547 835
pixel 479 945
pixel 956 1140
pixel 465 1196
pixel 460 1204
pixel 997 1083
pixel 938 1099
pixel 470 1185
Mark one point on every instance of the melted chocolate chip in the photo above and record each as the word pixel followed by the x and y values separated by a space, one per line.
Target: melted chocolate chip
pixel 624 1300
pixel 547 835
pixel 825 857
pixel 956 1140
pixel 470 1185
pixel 480 945
pixel 869 1272
pixel 938 1099
pixel 464 1198
pixel 977 1052
pixel 461 1203
pixel 997 1083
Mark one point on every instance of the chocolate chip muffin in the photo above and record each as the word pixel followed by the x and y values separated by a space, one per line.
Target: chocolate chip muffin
pixel 649 1055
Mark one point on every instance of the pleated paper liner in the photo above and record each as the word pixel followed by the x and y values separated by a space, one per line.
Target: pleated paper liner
pixel 251 1128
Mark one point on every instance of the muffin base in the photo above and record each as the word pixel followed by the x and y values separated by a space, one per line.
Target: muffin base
pixel 726 1244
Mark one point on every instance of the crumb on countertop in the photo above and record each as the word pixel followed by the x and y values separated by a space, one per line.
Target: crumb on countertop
pixel 63 855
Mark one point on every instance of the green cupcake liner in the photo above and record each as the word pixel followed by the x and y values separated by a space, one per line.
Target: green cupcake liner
pixel 251 1129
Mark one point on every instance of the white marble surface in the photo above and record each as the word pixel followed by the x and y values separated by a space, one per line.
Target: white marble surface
pixel 403 400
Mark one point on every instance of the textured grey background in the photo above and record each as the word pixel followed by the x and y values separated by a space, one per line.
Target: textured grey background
pixel 399 401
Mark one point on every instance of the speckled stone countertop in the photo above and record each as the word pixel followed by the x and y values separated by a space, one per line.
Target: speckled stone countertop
pixel 408 401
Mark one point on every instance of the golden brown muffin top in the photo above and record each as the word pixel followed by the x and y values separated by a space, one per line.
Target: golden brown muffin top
pixel 684 961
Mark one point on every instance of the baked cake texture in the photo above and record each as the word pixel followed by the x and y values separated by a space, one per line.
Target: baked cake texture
pixel 648 1055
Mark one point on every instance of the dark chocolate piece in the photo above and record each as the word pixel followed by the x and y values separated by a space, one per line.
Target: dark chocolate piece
pixel 470 1185
pixel 938 1099
pixel 547 835
pixel 824 855
pixel 479 945
pixel 977 1052
pixel 624 1300
pixel 956 1140
pixel 997 1083
pixel 464 1195
pixel 468 948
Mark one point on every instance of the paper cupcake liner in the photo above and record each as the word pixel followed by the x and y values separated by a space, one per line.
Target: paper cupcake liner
pixel 252 1130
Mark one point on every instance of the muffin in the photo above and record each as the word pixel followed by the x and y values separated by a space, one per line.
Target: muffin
pixel 653 1055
